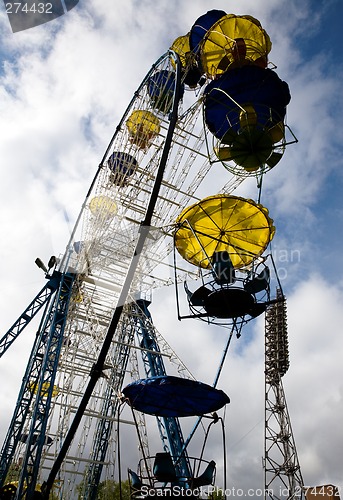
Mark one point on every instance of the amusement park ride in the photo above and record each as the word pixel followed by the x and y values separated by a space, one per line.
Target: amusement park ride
pixel 210 104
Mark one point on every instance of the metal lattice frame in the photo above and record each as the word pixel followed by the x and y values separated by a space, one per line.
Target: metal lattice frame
pixel 281 465
pixel 107 248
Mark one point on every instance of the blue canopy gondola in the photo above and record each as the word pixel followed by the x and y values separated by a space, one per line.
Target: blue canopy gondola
pixel 245 109
pixel 169 396
pixel 161 87
pixel 250 85
pixel 122 166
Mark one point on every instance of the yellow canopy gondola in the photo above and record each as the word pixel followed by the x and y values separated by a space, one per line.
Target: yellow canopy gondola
pixel 103 205
pixel 143 127
pixel 219 223
pixel 189 64
pixel 181 46
pixel 33 387
pixel 234 41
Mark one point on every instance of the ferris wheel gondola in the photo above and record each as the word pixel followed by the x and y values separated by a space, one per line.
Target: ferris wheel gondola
pixel 237 225
pixel 171 396
pixel 225 237
pixel 245 109
pixel 234 41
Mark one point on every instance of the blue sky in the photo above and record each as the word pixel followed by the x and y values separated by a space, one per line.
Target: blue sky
pixel 63 89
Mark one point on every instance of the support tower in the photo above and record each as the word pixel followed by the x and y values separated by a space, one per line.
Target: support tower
pixel 281 465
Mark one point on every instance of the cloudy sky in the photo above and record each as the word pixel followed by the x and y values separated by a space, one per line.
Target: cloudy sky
pixel 64 87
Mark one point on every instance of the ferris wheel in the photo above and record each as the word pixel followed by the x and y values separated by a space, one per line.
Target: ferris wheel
pixel 209 114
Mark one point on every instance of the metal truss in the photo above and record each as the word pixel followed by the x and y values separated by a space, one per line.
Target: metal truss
pixel 281 465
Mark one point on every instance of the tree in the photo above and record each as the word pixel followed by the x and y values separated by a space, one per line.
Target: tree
pixel 216 494
pixel 109 490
